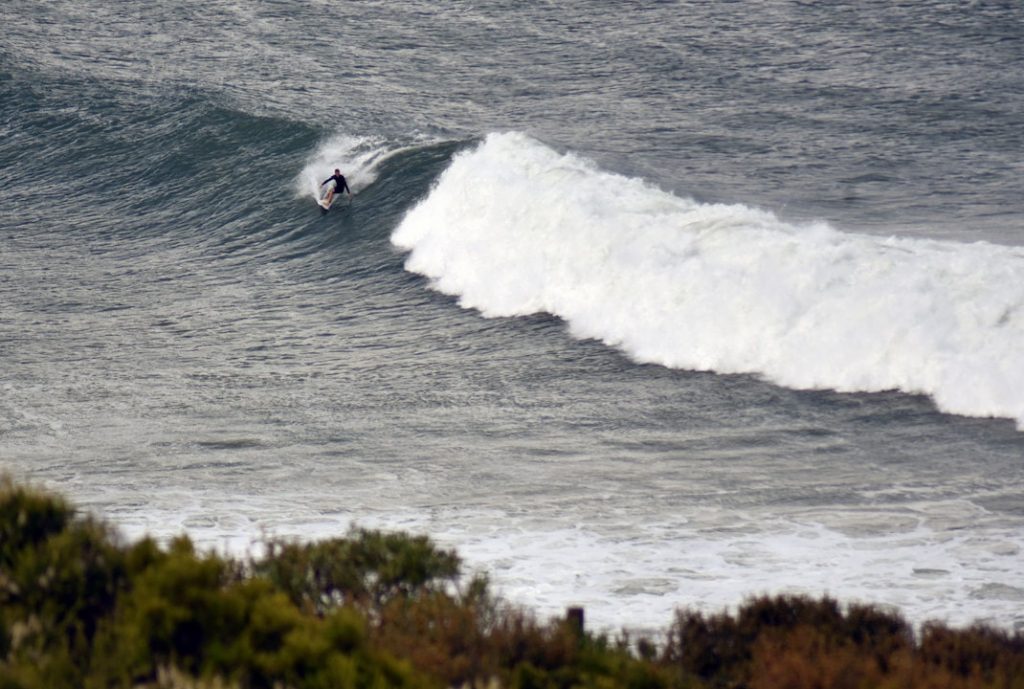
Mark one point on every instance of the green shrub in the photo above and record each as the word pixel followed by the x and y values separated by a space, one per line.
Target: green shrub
pixel 187 612
pixel 27 518
pixel 59 577
pixel 78 609
pixel 366 568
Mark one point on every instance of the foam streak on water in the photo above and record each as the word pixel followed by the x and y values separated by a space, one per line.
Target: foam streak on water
pixel 514 228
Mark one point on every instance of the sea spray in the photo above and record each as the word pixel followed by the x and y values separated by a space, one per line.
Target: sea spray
pixel 358 158
pixel 513 228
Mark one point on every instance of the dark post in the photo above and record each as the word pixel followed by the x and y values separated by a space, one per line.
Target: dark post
pixel 574 616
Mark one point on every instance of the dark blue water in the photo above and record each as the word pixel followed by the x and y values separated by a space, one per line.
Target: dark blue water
pixel 637 305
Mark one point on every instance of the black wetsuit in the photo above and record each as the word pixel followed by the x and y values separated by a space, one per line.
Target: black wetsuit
pixel 339 183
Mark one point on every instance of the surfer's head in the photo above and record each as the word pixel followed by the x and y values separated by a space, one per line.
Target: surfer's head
pixel 337 171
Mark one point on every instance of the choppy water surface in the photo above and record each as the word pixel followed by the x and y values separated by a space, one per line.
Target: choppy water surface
pixel 637 307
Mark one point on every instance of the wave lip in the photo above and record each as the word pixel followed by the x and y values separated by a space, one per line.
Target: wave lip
pixel 513 228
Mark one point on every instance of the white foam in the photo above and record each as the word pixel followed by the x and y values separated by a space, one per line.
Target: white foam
pixel 358 158
pixel 920 561
pixel 513 228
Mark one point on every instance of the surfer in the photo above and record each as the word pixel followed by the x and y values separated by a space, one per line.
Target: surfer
pixel 339 184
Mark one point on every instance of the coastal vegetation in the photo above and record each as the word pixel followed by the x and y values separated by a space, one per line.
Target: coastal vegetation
pixel 82 608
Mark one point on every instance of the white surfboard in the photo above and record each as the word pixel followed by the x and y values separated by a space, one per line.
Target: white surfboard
pixel 322 201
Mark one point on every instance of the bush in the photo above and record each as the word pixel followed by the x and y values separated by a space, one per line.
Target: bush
pixel 991 655
pixel 368 568
pixel 59 577
pixel 798 642
pixel 78 609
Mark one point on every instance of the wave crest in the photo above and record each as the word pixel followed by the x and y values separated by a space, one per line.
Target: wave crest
pixel 513 227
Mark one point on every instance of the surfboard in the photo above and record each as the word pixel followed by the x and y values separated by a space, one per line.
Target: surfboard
pixel 324 204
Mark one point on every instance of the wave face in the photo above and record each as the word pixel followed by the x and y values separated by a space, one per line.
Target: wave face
pixel 514 228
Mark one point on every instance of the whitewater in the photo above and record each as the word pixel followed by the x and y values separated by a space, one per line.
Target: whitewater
pixel 514 228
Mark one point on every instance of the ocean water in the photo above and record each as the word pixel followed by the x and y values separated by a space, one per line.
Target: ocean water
pixel 638 305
